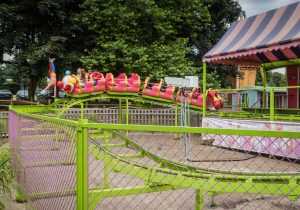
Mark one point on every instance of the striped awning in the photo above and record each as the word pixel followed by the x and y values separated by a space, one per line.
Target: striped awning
pixel 267 37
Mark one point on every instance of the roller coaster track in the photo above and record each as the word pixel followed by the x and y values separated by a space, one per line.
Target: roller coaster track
pixel 67 103
pixel 172 173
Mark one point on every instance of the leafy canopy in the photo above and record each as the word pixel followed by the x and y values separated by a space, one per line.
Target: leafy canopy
pixel 157 38
pixel 35 30
pixel 151 37
pixel 143 36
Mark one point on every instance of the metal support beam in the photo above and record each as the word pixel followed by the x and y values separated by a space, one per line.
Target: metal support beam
pixel 204 89
pixel 81 110
pixel 120 111
pixel 82 166
pixel 176 136
pixel 279 64
pixel 127 112
pixel 264 78
pixel 272 110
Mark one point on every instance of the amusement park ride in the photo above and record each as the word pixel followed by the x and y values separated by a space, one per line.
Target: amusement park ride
pixel 122 85
pixel 269 43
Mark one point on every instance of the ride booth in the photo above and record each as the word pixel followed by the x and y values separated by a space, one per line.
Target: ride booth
pixel 265 41
pixel 252 96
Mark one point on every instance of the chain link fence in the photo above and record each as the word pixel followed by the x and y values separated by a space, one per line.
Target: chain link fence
pixel 44 161
pixel 151 170
pixel 64 164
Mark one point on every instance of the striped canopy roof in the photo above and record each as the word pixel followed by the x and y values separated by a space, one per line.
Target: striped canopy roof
pixel 267 37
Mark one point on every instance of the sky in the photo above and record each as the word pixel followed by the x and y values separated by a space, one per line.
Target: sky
pixel 254 7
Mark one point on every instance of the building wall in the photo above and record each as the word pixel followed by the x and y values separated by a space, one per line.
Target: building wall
pixel 249 77
pixel 293 79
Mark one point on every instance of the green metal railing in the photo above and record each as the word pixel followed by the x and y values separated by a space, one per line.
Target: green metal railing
pixel 272 114
pixel 101 152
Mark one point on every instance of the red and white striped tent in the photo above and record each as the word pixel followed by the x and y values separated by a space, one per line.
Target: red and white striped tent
pixel 264 38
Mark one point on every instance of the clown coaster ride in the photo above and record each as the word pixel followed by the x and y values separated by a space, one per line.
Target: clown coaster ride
pixel 81 164
pixel 122 85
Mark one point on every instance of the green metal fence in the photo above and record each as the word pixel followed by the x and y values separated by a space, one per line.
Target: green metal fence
pixel 65 164
pixel 237 105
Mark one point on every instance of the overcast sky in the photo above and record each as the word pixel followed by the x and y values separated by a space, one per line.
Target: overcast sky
pixel 254 7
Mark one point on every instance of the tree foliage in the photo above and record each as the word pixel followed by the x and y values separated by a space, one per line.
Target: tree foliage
pixel 278 79
pixel 222 13
pixel 274 79
pixel 35 30
pixel 156 38
pixel 144 36
pixel 151 37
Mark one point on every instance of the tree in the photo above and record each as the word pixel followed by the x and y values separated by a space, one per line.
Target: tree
pixel 155 38
pixel 151 37
pixel 142 36
pixel 278 79
pixel 35 30
pixel 222 13
pixel 275 79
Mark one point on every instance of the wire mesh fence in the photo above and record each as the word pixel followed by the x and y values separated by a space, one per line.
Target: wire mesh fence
pixel 63 164
pixel 44 161
pixel 156 170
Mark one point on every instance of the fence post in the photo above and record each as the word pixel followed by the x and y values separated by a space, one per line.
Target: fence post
pixel 120 111
pixel 82 166
pixel 204 90
pixel 272 110
pixel 127 112
pixel 81 110
pixel 106 164
pixel 176 136
pixel 264 74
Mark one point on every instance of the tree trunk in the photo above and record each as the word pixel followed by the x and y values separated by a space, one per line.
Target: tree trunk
pixel 32 87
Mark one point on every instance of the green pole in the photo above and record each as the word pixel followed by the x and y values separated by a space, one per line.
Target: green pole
pixel 272 110
pixel 278 64
pixel 176 122
pixel 82 166
pixel 265 86
pixel 127 112
pixel 176 116
pixel 106 163
pixel 120 111
pixel 199 199
pixel 81 110
pixel 204 90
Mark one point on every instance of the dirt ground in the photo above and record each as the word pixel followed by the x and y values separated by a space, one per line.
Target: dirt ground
pixel 11 204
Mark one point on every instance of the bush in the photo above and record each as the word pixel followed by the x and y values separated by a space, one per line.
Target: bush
pixel 6 172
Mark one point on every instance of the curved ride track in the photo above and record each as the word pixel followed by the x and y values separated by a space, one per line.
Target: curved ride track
pixel 173 174
pixel 65 104
pixel 179 175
